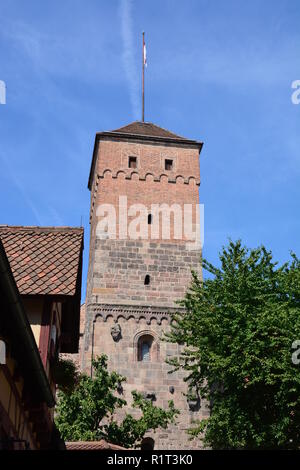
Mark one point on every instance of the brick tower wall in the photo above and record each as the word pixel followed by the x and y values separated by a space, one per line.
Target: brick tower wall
pixel 116 293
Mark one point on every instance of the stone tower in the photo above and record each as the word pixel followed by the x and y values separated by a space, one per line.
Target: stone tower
pixel 133 281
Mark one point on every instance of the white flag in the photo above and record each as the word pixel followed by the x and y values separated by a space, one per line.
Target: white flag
pixel 145 56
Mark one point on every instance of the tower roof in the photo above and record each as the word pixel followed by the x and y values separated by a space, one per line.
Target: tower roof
pixel 146 131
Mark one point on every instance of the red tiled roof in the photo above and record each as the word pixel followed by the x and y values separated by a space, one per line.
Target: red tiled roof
pixel 147 129
pixel 44 260
pixel 92 445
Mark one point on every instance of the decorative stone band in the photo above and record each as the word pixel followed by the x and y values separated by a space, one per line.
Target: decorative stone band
pixel 143 176
pixel 129 311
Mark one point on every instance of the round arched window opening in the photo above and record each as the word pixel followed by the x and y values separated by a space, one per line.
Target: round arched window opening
pixel 149 219
pixel 147 280
pixel 145 348
pixel 147 443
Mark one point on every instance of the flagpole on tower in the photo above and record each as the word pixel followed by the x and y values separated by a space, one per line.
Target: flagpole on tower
pixel 143 81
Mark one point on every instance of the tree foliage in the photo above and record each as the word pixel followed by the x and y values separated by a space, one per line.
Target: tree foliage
pixel 65 374
pixel 238 327
pixel 88 412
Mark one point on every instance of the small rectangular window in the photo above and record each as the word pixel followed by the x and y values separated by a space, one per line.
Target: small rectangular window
pixel 132 162
pixel 168 165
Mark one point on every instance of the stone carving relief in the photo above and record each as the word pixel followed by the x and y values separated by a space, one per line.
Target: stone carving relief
pixel 116 332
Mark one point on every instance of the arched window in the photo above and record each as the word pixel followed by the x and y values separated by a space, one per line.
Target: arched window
pixel 149 219
pixel 147 443
pixel 145 348
pixel 145 351
pixel 147 280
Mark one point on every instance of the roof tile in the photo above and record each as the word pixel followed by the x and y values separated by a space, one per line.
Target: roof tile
pixel 92 445
pixel 147 129
pixel 39 256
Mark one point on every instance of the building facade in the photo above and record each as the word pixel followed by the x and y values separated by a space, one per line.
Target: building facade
pixel 141 255
pixel 25 392
pixel 40 289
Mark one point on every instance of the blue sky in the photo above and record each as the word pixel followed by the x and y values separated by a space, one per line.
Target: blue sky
pixel 220 72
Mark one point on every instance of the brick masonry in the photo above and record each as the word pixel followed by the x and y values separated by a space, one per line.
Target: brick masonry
pixel 116 293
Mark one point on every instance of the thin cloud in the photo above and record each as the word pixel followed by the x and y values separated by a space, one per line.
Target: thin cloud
pixel 128 55
pixel 55 217
pixel 232 64
pixel 43 53
pixel 19 185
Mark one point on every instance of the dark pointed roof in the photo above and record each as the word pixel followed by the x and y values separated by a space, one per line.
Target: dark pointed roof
pixel 146 131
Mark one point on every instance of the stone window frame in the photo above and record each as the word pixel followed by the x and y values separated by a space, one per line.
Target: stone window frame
pixel 154 349
pixel 173 155
pixel 168 156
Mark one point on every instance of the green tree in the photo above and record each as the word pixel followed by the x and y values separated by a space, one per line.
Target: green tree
pixel 88 411
pixel 238 329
